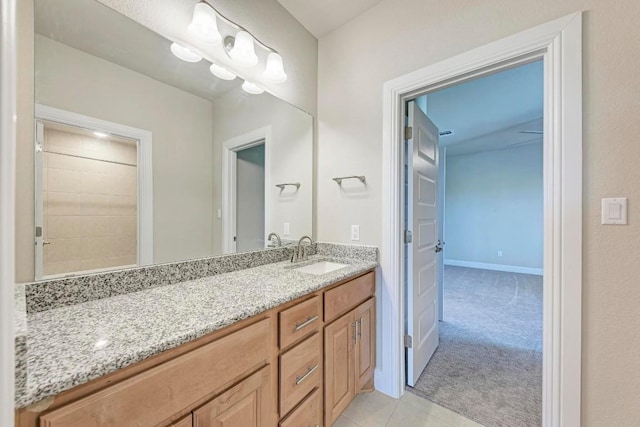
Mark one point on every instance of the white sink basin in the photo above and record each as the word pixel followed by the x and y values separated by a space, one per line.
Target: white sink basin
pixel 321 267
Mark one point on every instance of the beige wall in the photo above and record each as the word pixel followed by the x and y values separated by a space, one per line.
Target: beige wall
pixel 399 36
pixel 181 125
pixel 236 114
pixel 89 204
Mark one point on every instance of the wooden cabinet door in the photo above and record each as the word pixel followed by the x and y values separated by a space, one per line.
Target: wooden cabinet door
pixel 365 347
pixel 339 385
pixel 247 404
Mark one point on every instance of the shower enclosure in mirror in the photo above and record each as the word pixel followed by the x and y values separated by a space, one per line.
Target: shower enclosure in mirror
pixel 143 158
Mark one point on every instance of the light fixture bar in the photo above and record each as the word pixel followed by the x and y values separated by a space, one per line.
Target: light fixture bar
pixel 241 28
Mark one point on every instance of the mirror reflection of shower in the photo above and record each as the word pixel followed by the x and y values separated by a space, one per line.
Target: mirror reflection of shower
pixel 86 200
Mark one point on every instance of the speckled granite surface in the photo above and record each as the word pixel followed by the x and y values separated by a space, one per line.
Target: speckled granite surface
pixel 48 294
pixel 20 340
pixel 73 344
pixel 367 253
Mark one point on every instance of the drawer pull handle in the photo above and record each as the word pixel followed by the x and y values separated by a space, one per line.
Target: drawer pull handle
pixel 305 376
pixel 306 322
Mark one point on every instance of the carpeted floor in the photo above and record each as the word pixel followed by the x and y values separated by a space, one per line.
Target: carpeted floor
pixel 488 366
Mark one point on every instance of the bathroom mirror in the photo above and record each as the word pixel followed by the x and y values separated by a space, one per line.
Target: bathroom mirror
pixel 141 157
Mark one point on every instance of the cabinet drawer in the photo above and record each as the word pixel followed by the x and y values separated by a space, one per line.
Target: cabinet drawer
pixel 307 414
pixel 154 396
pixel 300 372
pixel 299 321
pixel 345 297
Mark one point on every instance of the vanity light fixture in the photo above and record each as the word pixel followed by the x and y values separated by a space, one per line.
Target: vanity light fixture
pixel 251 88
pixel 274 72
pixel 241 49
pixel 184 53
pixel 100 134
pixel 204 25
pixel 221 72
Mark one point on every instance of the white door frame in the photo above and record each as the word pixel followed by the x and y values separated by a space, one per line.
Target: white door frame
pixel 559 44
pixel 8 107
pixel 229 161
pixel 145 161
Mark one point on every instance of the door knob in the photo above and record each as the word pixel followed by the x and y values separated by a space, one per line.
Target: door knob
pixel 439 246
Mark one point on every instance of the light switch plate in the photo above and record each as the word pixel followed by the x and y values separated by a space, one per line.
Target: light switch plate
pixel 614 211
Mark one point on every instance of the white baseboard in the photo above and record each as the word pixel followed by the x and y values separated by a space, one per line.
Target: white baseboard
pixel 495 267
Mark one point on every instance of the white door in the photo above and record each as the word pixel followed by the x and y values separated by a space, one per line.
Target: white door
pixel 422 259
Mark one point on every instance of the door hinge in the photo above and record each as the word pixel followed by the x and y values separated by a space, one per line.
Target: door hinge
pixel 408 341
pixel 408 236
pixel 408 132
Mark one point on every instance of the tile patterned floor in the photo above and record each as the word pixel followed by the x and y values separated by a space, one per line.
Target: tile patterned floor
pixel 379 410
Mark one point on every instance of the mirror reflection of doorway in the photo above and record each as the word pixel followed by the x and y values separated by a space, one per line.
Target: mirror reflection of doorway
pixel 86 200
pixel 250 198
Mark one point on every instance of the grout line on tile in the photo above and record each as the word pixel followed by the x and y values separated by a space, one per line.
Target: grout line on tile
pixel 391 416
pixel 350 419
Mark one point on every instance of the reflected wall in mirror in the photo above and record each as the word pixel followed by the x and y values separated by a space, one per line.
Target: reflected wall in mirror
pixel 145 158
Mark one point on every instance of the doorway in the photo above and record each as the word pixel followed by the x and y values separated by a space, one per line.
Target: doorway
pixel 558 44
pixel 251 152
pixel 94 194
pixel 482 193
pixel 250 192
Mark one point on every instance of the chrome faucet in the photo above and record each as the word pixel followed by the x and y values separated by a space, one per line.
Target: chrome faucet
pixel 300 252
pixel 277 237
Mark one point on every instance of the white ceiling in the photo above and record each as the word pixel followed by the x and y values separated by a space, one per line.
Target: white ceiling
pixel 323 16
pixel 490 112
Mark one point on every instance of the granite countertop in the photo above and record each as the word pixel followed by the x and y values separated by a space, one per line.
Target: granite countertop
pixel 72 345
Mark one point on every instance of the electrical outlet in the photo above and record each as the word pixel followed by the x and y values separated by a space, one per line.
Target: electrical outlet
pixel 499 253
pixel 355 232
pixel 286 229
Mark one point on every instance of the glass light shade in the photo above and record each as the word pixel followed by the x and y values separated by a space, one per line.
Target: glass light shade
pixel 204 25
pixel 243 51
pixel 274 71
pixel 251 88
pixel 184 53
pixel 221 72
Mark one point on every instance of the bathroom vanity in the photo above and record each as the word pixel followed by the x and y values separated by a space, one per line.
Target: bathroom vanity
pixel 154 184
pixel 272 345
